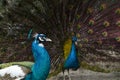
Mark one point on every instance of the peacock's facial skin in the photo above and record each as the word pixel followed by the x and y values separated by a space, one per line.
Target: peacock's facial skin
pixel 41 37
pixel 74 39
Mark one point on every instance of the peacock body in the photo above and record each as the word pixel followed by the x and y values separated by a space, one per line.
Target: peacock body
pixel 71 61
pixel 37 72
pixel 41 67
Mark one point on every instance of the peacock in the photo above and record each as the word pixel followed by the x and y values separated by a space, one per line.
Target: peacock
pixel 30 71
pixel 93 24
pixel 70 55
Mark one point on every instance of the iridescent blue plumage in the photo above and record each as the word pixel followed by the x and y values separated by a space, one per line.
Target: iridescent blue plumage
pixel 72 60
pixel 41 67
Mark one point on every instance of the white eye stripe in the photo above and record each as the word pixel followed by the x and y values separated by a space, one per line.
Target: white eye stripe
pixel 44 39
pixel 41 39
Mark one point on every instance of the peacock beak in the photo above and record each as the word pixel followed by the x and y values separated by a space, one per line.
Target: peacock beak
pixel 48 39
pixel 76 43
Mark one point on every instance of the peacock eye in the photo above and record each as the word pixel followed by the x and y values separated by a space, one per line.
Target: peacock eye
pixel 43 37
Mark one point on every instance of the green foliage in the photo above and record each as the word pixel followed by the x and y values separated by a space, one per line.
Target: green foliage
pixel 97 68
pixel 93 68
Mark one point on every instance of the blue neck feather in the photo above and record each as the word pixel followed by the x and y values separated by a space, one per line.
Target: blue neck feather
pixel 41 67
pixel 72 60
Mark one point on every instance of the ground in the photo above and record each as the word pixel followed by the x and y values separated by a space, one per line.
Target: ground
pixel 83 74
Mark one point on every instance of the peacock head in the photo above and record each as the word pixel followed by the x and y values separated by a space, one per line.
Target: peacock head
pixel 38 37
pixel 41 37
pixel 74 39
